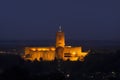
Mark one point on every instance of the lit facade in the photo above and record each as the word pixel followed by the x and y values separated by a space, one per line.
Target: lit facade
pixel 59 51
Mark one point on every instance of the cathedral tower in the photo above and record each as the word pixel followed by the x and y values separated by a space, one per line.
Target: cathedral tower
pixel 60 44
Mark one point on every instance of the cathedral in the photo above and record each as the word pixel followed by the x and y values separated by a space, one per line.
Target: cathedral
pixel 60 51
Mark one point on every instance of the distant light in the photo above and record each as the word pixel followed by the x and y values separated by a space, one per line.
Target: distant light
pixel 68 75
pixel 113 72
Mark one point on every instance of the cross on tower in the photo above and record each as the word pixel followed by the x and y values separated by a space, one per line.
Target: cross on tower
pixel 60 29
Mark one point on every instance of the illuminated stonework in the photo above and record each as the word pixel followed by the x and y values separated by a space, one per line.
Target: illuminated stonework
pixel 60 51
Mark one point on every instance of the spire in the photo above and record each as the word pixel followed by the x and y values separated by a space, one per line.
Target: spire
pixel 60 29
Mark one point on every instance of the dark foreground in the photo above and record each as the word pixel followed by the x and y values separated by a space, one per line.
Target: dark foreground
pixel 97 66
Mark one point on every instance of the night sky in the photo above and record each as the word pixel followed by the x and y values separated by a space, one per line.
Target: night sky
pixel 40 19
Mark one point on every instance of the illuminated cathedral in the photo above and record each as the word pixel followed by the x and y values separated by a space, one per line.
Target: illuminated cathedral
pixel 60 51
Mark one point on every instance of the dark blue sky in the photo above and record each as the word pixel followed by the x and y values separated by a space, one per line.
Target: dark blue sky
pixel 39 19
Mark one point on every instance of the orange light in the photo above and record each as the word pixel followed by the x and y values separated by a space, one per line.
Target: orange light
pixel 74 53
pixel 33 49
pixel 53 49
pixel 39 49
